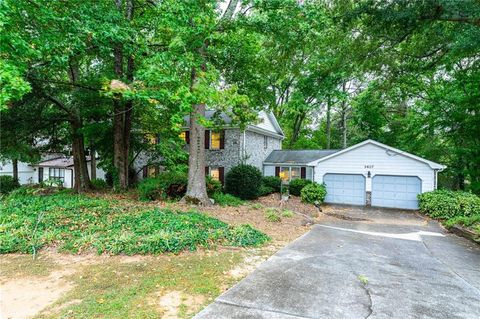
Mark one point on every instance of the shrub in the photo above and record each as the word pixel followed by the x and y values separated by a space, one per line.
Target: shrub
pixel 297 185
pixel 99 183
pixel 166 185
pixel 226 200
pixel 243 181
pixel 265 190
pixel 272 215
pixel 445 204
pixel 272 182
pixel 8 184
pixel 313 193
pixel 213 186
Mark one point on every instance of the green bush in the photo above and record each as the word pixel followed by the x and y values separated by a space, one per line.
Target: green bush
pixel 295 186
pixel 243 181
pixel 265 190
pixel 313 193
pixel 445 204
pixel 213 186
pixel 226 200
pixel 8 184
pixel 272 182
pixel 76 223
pixel 166 185
pixel 98 183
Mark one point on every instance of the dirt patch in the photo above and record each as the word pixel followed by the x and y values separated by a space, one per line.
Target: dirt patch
pixel 294 203
pixel 25 297
pixel 174 304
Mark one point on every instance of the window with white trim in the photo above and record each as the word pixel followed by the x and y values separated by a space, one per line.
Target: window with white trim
pixel 56 173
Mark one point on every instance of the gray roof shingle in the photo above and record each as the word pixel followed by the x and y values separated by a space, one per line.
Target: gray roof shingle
pixel 297 156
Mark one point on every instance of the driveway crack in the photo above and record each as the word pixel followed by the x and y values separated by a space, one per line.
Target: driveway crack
pixel 370 302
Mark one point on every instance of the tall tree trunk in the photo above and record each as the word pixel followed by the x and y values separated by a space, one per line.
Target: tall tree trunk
pixel 122 120
pixel 15 168
pixel 82 179
pixel 297 126
pixel 329 123
pixel 196 188
pixel 344 117
pixel 93 163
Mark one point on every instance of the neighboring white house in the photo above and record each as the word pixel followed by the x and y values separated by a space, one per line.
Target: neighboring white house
pixel 368 173
pixel 60 168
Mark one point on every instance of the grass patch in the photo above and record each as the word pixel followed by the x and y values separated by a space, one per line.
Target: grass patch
pixel 257 206
pixel 132 290
pixel 287 213
pixel 272 215
pixel 227 200
pixel 25 265
pixel 77 223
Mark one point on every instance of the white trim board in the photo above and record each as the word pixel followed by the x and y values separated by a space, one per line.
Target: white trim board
pixel 432 165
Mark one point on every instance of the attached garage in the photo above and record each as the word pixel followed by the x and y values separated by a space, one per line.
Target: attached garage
pixel 345 188
pixel 396 191
pixel 372 173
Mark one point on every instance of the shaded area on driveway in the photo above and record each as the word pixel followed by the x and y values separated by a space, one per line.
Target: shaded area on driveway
pixel 393 264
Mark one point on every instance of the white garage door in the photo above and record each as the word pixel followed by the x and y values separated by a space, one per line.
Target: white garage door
pixel 396 191
pixel 345 189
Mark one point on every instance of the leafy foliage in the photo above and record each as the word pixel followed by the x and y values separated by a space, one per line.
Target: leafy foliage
pixel 226 199
pixel 8 184
pixel 272 182
pixel 213 186
pixel 313 193
pixel 99 183
pixel 243 181
pixel 272 215
pixel 295 186
pixel 166 185
pixel 445 204
pixel 77 223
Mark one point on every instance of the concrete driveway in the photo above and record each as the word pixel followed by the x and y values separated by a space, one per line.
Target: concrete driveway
pixel 363 263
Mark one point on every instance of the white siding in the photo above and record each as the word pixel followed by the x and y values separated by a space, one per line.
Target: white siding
pixel 25 171
pixel 265 122
pixel 384 162
pixel 268 170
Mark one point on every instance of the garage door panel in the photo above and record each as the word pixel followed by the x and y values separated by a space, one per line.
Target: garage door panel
pixel 345 189
pixel 404 194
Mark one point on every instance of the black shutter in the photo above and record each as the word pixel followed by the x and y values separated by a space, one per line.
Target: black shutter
pixel 207 139
pixel 277 171
pixel 187 137
pixel 206 171
pixel 222 139
pixel 303 172
pixel 145 171
pixel 221 174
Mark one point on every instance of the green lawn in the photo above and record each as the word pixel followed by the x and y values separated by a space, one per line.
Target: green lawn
pixel 76 223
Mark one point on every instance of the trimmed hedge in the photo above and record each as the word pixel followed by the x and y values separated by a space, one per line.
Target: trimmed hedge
pixel 313 193
pixel 446 204
pixel 243 181
pixel 8 184
pixel 272 182
pixel 296 186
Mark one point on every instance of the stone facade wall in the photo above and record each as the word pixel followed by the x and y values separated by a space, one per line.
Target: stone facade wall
pixel 256 151
pixel 228 157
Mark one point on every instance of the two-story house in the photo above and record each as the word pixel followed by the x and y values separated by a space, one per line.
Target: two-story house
pixel 231 146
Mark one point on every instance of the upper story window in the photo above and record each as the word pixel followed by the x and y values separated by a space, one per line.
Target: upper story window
pixel 265 142
pixel 185 136
pixel 215 140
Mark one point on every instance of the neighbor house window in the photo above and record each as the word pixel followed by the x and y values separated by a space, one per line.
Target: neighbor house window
pixel 215 140
pixel 56 173
pixel 265 142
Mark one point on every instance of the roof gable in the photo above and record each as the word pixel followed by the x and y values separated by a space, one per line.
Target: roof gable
pixel 433 165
